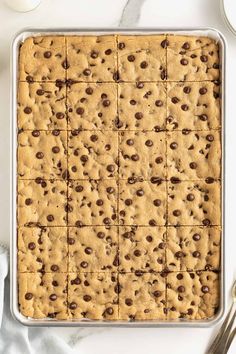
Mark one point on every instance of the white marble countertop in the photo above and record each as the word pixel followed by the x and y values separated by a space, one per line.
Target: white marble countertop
pixel 144 13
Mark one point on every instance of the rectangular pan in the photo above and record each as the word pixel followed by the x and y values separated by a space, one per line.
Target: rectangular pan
pixel 210 32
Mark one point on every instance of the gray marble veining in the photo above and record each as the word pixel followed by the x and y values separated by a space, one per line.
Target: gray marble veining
pixel 131 13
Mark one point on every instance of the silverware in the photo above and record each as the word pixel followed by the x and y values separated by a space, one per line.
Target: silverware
pixel 223 339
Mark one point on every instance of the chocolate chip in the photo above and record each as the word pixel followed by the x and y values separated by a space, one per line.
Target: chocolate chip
pixel 84 264
pixel 110 190
pixel 55 149
pixel 55 283
pixel 94 54
pixel 187 89
pixel 47 54
pixel 196 254
pixel 179 254
pixel 138 115
pixel 88 250
pixel 184 107
pixel 204 58
pixel 40 92
pixel 73 306
pixel 110 168
pixel 193 165
pixel 165 43
pixel 131 58
pixel 140 85
pixel 184 61
pixel 65 64
pixel 158 103
pixel 210 138
pixel 87 72
pixel 79 188
pixel 39 155
pixel 99 202
pixel 152 222
pixel 54 268
pixel 140 192
pixel 107 221
pixel 71 241
pixel 196 237
pixel 89 90
pixel 28 201
pixel 186 45
pixel 53 297
pixel 179 276
pixel 203 90
pixel 28 296
pixel 100 234
pixel 163 74
pixel 205 289
pixel 60 115
pixel 109 311
pixel 35 133
pixel 143 65
pixel 173 146
pixel 135 157
pixel 128 202
pixel 84 158
pixel 156 180
pixel 174 100
pixel 157 202
pixel 129 302
pixel 190 197
pixel 132 102
pixel 29 79
pixel 27 110
pixel 177 212
pixel 206 222
pixel 80 111
pixel 121 45
pixel 87 298
pixel 106 103
pixel 130 142
pixel 157 293
pixel 149 143
pixel 159 159
pixel 181 289
pixel 209 180
pixel 203 117
pixel 108 52
pixel 31 246
pixel 149 238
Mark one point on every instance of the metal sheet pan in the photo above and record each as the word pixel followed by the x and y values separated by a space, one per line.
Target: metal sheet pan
pixel 19 38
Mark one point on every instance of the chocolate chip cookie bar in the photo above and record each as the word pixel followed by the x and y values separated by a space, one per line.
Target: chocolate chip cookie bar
pixel 119 169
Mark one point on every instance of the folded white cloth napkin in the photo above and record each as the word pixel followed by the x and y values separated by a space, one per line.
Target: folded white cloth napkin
pixel 16 338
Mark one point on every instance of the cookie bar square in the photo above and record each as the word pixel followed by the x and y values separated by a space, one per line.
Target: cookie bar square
pixel 41 105
pixel 43 58
pixel 92 106
pixel 142 58
pixel 193 248
pixel 192 58
pixel 194 202
pixel 93 249
pixel 42 154
pixel 142 248
pixel 92 58
pixel 42 249
pixel 93 296
pixel 142 296
pixel 142 202
pixel 93 154
pixel 92 202
pixel 142 106
pixel 193 155
pixel 142 154
pixel 42 203
pixel 193 105
pixel 193 295
pixel 42 296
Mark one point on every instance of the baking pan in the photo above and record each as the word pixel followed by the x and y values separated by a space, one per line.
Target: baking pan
pixel 210 32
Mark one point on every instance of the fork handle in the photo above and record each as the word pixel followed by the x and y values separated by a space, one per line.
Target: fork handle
pixel 230 340
pixel 212 349
pixel 222 343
